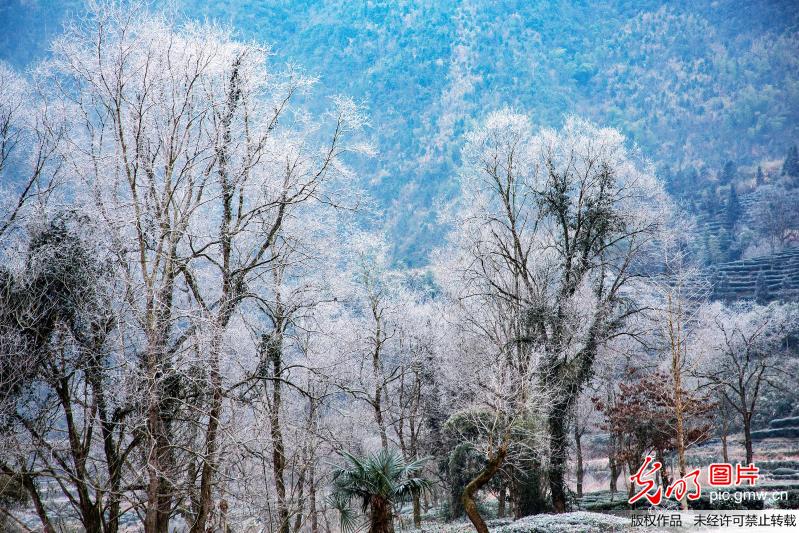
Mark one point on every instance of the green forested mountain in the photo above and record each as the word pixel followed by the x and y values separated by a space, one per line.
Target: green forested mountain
pixel 694 83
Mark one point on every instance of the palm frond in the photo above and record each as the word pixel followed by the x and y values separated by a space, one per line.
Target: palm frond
pixel 411 486
pixel 348 520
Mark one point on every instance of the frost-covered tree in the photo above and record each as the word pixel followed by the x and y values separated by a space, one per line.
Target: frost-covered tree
pixel 185 147
pixel 65 411
pixel 555 225
pixel 776 215
pixel 31 130
pixel 678 298
pixel 743 345
pixel 414 396
pixel 497 402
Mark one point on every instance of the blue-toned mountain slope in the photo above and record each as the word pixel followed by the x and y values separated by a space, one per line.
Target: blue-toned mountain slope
pixel 693 82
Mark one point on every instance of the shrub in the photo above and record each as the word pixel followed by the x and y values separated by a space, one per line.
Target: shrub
pixel 786 433
pixel 792 422
pixel 792 502
pixel 770 466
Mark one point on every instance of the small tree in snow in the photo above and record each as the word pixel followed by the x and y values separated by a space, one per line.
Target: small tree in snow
pixel 743 344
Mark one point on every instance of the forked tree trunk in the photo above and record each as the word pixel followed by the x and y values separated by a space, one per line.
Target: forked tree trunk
pixel 226 308
pixel 558 420
pixel 476 484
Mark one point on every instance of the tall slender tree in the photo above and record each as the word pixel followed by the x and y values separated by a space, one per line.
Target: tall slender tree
pixel 556 224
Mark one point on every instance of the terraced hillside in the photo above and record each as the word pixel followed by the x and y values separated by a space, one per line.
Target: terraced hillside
pixel 765 278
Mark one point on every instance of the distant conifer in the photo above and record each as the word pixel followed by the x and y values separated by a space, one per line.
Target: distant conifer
pixel 760 179
pixel 762 295
pixel 728 172
pixel 791 165
pixel 733 213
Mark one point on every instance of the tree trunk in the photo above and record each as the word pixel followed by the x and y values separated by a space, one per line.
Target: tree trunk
pixel 209 459
pixel 724 451
pixel 380 518
pixel 298 518
pixel 748 439
pixel 630 485
pixel 111 522
pixel 557 458
pixel 664 473
pixel 579 452
pixel 614 468
pixel 476 484
pixel 312 498
pixel 501 501
pixel 159 455
pixel 30 487
pixel 311 476
pixel 274 354
pixel 725 428
pixel 223 509
pixel 417 511
pixel 676 372
pixel 378 401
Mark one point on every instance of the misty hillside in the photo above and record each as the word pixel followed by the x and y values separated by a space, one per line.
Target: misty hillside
pixel 695 84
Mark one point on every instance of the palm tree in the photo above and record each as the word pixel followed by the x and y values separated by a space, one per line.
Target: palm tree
pixel 378 481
